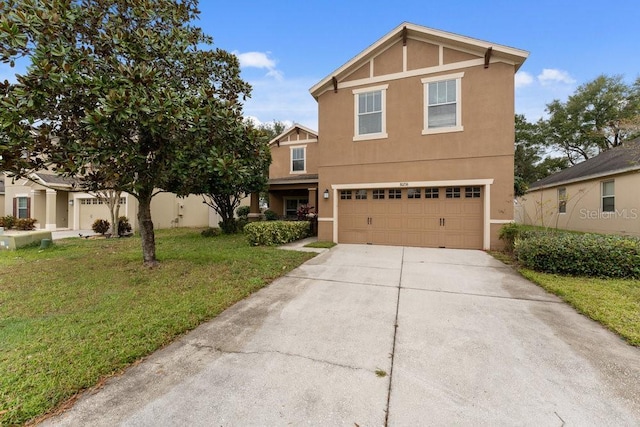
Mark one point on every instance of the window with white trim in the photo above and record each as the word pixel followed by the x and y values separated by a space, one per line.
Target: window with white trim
pixel 608 197
pixel 442 104
pixel 298 159
pixel 562 200
pixel 370 113
pixel 22 207
pixel 292 205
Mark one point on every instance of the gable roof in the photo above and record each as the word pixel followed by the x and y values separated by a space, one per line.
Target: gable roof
pixel 516 56
pixel 623 158
pixel 52 180
pixel 291 129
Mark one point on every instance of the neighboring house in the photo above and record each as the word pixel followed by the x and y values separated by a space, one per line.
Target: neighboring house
pixel 55 204
pixel 415 142
pixel 598 195
pixel 293 174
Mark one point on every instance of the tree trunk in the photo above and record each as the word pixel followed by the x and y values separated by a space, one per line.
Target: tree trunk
pixel 146 231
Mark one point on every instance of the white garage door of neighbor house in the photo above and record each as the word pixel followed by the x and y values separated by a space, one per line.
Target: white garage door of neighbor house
pixel 90 210
pixel 447 217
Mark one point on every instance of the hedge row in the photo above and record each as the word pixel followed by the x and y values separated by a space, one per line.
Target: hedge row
pixel 594 255
pixel 271 233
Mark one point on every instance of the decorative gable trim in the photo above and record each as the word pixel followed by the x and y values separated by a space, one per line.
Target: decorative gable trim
pixel 476 47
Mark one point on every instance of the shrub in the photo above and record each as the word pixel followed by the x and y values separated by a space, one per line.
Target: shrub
pixel 243 211
pixel 8 221
pixel 100 226
pixel 270 215
pixel 229 226
pixel 210 232
pixel 271 233
pixel 580 254
pixel 305 212
pixel 508 234
pixel 25 223
pixel 124 228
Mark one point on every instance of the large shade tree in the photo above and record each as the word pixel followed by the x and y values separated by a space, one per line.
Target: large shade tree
pixel 127 87
pixel 600 115
pixel 531 160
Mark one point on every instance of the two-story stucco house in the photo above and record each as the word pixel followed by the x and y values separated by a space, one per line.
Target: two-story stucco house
pixel 415 142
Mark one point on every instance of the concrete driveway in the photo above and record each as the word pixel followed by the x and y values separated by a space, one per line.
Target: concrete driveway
pixel 475 344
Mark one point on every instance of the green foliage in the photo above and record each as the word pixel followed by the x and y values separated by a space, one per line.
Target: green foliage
pixel 100 226
pixel 210 232
pixel 613 302
pixel 243 211
pixel 124 228
pixel 71 322
pixel 593 255
pixel 600 115
pixel 25 223
pixel 509 233
pixel 128 94
pixel 8 221
pixel 270 215
pixel 530 163
pixel 320 244
pixel 229 226
pixel 271 233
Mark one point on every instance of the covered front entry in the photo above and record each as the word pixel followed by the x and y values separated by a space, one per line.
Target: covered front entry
pixel 287 195
pixel 447 217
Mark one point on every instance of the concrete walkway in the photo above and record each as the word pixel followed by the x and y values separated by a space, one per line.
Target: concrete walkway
pixel 475 344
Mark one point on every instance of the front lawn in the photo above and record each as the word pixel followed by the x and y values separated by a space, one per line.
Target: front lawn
pixel 85 309
pixel 615 303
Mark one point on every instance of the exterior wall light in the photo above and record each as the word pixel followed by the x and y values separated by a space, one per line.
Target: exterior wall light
pixel 326 194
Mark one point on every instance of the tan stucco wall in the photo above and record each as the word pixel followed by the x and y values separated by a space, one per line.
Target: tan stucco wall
pixel 583 211
pixel 3 208
pixel 281 155
pixel 483 150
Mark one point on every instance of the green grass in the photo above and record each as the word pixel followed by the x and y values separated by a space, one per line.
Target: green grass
pixel 615 303
pixel 321 244
pixel 82 310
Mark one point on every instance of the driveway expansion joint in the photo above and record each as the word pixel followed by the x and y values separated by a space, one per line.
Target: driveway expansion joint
pixel 282 353
pixel 485 295
pixel 346 282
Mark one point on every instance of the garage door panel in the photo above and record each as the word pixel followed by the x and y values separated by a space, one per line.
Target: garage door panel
pixel 414 207
pixel 430 222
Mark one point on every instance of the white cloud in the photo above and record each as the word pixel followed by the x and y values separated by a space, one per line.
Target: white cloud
pixel 551 75
pixel 523 79
pixel 260 60
pixel 286 100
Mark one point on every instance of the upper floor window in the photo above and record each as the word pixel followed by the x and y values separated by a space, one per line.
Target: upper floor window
pixel 370 113
pixel 442 100
pixel 298 159
pixel 608 197
pixel 562 200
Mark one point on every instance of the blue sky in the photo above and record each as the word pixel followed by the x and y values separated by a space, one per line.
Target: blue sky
pixel 286 47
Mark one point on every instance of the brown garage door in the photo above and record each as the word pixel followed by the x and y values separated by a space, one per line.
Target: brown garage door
pixel 449 217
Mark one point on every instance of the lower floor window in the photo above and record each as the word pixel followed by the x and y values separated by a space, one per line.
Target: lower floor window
pixel 292 205
pixel 22 207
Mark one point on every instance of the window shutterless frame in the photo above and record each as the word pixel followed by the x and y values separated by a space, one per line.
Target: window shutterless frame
pixel 370 113
pixel 442 104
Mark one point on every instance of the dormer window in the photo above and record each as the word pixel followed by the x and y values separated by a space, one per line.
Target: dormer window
pixel 298 159
pixel 370 113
